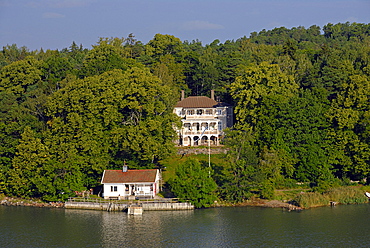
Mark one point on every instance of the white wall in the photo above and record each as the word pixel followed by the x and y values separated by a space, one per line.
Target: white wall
pixel 107 190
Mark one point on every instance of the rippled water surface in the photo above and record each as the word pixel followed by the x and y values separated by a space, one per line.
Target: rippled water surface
pixel 341 226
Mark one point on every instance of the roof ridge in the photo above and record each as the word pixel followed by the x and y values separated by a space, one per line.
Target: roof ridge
pixel 197 102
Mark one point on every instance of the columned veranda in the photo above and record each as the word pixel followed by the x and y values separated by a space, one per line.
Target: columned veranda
pixel 195 133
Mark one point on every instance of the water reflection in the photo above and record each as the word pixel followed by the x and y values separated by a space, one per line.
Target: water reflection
pixel 342 226
pixel 139 231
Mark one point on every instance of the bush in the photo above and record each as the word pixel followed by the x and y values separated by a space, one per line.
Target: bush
pixel 267 190
pixel 193 182
pixel 325 185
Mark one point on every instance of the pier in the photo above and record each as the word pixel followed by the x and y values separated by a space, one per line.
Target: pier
pixel 120 205
pixel 135 209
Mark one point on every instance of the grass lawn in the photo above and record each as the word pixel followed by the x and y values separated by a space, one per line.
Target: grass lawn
pixel 170 164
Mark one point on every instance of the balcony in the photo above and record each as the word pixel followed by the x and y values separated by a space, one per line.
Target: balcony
pixel 199 132
pixel 199 117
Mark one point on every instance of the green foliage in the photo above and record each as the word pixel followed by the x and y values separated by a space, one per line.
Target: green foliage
pixel 312 199
pixel 102 121
pixel 341 195
pixel 55 69
pixel 300 96
pixel 347 195
pixel 93 124
pixel 171 163
pixel 193 183
pixel 162 45
pixel 30 174
pixel 324 184
pixel 257 84
pixel 18 77
pixel 239 174
pixel 105 57
pixel 12 53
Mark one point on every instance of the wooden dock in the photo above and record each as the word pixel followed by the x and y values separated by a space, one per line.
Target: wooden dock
pixel 116 205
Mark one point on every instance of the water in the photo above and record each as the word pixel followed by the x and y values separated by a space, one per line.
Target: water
pixel 341 226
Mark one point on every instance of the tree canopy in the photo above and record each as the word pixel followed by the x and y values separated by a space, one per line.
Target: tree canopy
pixel 300 95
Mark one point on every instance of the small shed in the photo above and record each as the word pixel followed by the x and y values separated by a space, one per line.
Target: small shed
pixel 124 184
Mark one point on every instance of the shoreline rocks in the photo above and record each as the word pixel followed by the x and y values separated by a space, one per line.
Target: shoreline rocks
pixel 9 201
pixel 270 204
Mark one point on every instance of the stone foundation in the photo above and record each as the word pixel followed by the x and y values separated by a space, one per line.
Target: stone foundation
pixel 184 151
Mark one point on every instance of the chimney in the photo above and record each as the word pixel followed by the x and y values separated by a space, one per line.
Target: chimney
pixel 182 95
pixel 213 94
pixel 125 167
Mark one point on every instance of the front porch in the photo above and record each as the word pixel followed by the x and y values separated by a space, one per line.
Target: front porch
pixel 130 191
pixel 197 140
pixel 139 191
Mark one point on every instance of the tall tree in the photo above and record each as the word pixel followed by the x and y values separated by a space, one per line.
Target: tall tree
pixel 106 56
pixel 238 179
pixel 30 174
pixel 99 122
pixel 349 114
pixel 257 83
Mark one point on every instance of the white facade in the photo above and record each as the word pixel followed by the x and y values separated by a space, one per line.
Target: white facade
pixel 203 121
pixel 124 187
pixel 123 190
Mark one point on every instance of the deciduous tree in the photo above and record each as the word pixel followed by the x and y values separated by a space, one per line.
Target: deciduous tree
pixel 193 183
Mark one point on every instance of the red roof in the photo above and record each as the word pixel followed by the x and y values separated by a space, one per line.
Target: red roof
pixel 197 102
pixel 130 176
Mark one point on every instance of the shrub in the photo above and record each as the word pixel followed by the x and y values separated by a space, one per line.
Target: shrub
pixel 193 182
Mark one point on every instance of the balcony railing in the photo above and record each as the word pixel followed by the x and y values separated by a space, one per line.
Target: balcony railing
pixel 187 132
pixel 197 117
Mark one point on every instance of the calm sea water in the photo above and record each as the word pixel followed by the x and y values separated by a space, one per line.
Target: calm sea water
pixel 340 226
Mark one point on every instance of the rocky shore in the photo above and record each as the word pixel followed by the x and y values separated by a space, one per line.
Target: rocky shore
pixel 9 201
pixel 277 204
pixel 270 204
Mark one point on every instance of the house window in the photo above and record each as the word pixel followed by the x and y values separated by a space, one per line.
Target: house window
pixel 209 111
pixel 219 111
pixel 113 188
pixel 220 126
pixel 187 127
pixel 190 112
pixel 199 111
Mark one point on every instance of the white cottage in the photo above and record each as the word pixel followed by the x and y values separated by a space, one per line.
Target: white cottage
pixel 123 184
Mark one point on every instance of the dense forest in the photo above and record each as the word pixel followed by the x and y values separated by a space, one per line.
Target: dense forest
pixel 301 99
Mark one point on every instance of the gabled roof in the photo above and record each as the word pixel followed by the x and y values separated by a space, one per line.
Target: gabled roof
pixel 197 102
pixel 130 176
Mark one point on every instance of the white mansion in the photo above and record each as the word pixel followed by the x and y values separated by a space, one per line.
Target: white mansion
pixel 203 120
